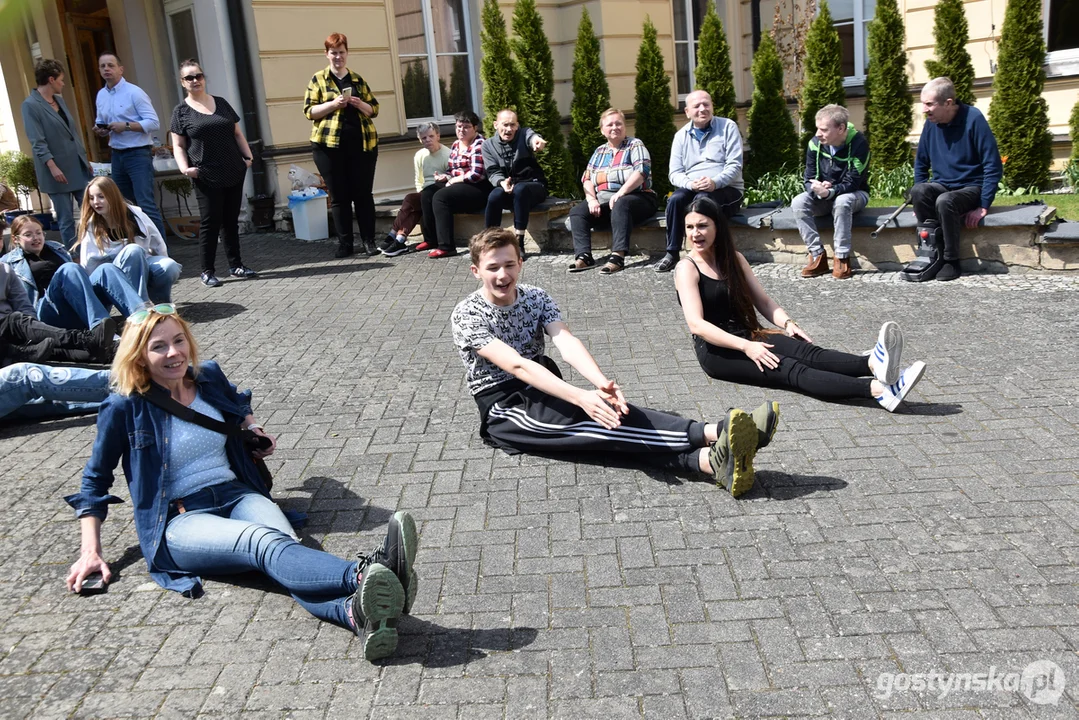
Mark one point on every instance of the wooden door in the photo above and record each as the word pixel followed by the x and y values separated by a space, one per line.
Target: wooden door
pixel 86 37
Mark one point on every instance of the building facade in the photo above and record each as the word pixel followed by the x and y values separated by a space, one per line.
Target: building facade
pixel 422 58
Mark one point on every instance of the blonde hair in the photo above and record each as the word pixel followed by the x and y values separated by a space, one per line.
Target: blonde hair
pixel 491 239
pixel 19 223
pixel 611 111
pixel 99 225
pixel 130 375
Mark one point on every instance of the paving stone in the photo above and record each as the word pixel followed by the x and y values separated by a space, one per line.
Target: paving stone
pixel 938 538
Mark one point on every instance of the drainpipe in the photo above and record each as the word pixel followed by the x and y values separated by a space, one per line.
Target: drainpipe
pixel 245 79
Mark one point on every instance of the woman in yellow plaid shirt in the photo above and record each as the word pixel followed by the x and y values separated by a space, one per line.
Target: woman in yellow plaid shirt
pixel 344 144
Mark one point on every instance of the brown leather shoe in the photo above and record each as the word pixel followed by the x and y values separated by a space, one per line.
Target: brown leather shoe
pixel 841 269
pixel 816 266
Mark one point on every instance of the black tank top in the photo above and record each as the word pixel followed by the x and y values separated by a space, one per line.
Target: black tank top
pixel 716 303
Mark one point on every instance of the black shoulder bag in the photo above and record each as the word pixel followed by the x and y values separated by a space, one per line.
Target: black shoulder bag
pixel 252 441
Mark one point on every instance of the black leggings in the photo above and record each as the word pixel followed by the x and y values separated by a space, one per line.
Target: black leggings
pixel 815 371
pixel 443 201
pixel 219 214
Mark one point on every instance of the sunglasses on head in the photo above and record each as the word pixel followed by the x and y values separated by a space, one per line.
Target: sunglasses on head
pixel 193 78
pixel 139 316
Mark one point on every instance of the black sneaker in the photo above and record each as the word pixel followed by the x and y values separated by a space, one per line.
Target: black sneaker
pixel 344 250
pixel 398 553
pixel 37 353
pixel 397 248
pixel 731 456
pixel 242 272
pixel 102 340
pixel 209 280
pixel 375 608
pixel 369 248
pixel 667 263
pixel 388 242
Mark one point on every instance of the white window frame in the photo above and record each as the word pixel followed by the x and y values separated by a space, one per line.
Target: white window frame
pixel 1059 62
pixel 175 7
pixel 432 56
pixel 691 45
pixel 861 42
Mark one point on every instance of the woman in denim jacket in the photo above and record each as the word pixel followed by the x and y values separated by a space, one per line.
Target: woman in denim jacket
pixel 200 505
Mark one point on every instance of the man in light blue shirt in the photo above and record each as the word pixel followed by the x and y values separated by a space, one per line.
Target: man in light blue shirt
pixel 706 161
pixel 126 117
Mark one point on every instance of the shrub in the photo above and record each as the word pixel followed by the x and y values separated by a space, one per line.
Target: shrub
pixel 1073 126
pixel 1018 114
pixel 591 96
pixel 953 61
pixel 713 70
pixel 888 114
pixel 501 83
pixel 777 186
pixel 824 72
pixel 538 109
pixel 655 116
pixel 772 140
pixel 891 183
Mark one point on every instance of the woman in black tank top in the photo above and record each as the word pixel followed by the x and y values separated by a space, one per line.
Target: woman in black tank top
pixel 720 297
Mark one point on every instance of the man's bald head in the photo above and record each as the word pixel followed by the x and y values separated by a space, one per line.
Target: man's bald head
pixel 699 108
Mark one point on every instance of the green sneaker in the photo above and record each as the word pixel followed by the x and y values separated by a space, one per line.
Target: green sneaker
pixel 766 418
pixel 376 606
pixel 731 456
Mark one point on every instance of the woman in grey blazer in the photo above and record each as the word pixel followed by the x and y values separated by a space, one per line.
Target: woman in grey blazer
pixel 59 157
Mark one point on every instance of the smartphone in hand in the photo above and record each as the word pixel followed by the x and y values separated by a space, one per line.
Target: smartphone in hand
pixel 347 92
pixel 94 584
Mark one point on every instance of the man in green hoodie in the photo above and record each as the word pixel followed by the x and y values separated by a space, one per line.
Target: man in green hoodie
pixel 837 184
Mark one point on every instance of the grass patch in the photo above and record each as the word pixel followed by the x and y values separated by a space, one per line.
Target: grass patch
pixel 1067 205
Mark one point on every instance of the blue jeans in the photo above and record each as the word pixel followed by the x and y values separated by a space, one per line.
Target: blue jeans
pixel 151 276
pixel 525 196
pixel 28 390
pixel 133 173
pixel 65 214
pixel 71 301
pixel 113 288
pixel 228 529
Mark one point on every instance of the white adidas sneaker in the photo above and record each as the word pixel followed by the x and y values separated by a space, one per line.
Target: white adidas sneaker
pixel 894 394
pixel 885 356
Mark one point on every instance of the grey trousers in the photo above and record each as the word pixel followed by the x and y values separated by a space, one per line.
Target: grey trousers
pixel 842 207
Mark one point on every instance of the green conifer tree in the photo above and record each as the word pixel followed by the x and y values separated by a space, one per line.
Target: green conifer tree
pixel 1018 114
pixel 772 140
pixel 655 116
pixel 591 96
pixel 887 104
pixel 501 81
pixel 1073 123
pixel 824 72
pixel 713 71
pixel 538 109
pixel 953 61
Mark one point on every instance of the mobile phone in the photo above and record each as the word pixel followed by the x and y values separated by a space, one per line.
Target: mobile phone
pixel 102 126
pixel 347 92
pixel 94 584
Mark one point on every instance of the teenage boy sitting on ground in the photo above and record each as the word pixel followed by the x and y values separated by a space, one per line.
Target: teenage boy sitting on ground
pixel 525 406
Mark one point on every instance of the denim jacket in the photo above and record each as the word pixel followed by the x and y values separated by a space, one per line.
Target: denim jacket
pixel 16 260
pixel 133 430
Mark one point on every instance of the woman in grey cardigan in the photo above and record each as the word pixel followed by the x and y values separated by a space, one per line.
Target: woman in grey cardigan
pixel 59 156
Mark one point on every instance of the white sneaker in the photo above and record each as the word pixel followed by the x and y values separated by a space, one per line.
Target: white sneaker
pixel 894 394
pixel 885 356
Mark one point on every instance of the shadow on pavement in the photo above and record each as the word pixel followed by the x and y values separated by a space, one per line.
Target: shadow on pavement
pixel 434 646
pixel 910 408
pixel 313 270
pixel 15 427
pixel 199 312
pixel 784 486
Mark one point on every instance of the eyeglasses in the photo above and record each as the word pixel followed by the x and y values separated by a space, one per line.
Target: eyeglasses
pixel 193 78
pixel 139 316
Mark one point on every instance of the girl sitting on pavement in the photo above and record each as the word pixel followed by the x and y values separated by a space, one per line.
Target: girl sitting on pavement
pixel 720 297
pixel 112 231
pixel 201 504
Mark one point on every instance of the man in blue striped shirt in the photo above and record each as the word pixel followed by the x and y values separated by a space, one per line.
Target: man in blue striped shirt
pixel 126 117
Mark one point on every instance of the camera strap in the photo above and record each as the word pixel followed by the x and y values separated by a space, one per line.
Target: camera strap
pixel 166 402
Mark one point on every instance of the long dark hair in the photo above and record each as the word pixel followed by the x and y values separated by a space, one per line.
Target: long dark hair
pixel 726 260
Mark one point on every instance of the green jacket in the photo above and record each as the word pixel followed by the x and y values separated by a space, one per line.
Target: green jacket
pixel 847 170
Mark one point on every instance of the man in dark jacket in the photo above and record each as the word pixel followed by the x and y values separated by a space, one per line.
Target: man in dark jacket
pixel 836 183
pixel 959 148
pixel 510 162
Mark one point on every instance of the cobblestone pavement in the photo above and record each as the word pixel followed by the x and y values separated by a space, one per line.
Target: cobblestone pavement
pixel 875 548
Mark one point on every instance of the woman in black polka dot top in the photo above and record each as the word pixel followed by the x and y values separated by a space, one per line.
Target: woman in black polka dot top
pixel 211 149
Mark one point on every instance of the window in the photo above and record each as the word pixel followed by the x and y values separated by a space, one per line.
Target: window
pixel 1061 39
pixel 851 21
pixel 434 34
pixel 184 39
pixel 688 16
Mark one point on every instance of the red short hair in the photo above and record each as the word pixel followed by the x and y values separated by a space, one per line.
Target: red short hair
pixel 335 40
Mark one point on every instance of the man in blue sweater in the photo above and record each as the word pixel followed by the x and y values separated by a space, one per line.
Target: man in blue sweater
pixel 959 148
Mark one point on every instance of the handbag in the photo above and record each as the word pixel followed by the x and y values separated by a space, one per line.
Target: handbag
pixel 252 441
